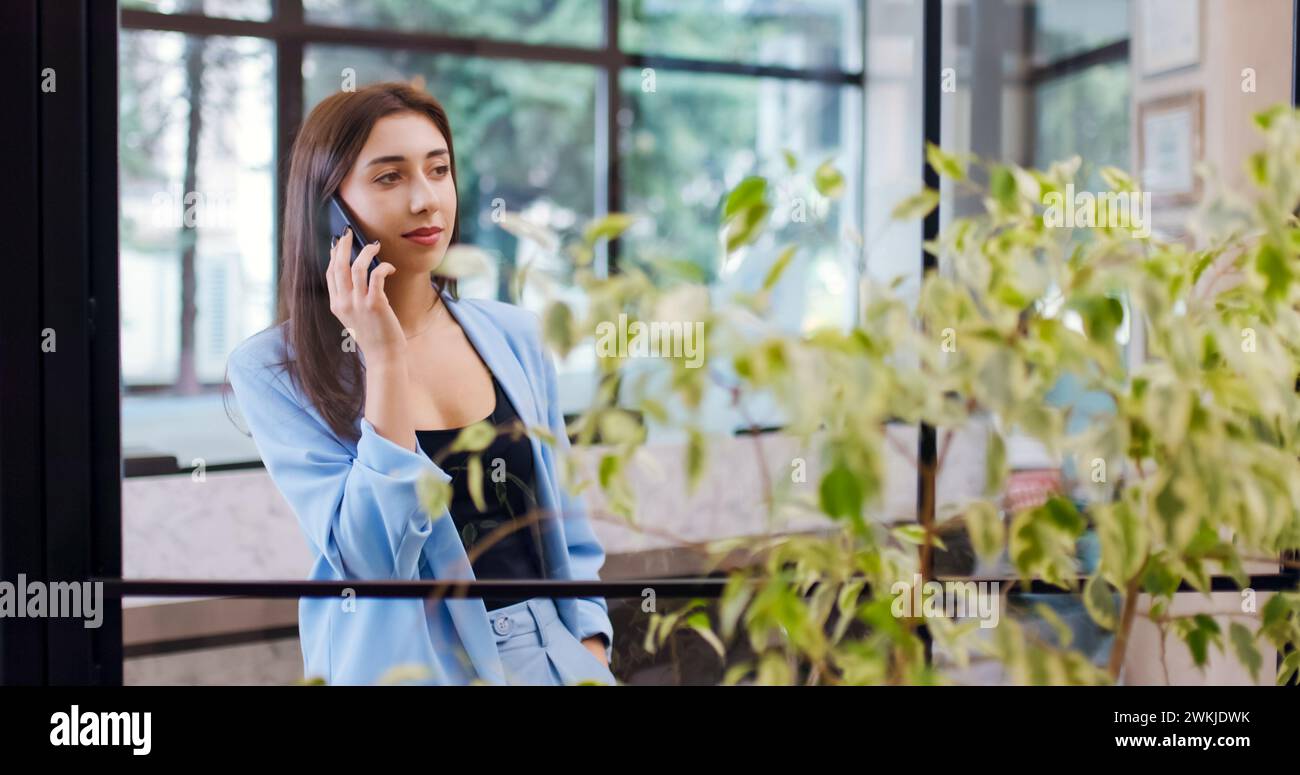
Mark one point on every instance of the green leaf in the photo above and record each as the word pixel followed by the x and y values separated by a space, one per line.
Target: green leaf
pixel 1158 579
pixel 1063 514
pixel 840 494
pixel 607 227
pixel 475 481
pixel 917 205
pixel 524 229
pixel 696 454
pixel 1275 612
pixel 790 161
pixel 1257 167
pixel 1270 263
pixel 1002 187
pixel 1099 600
pixel 518 281
pixel 560 327
pixel 619 426
pixel 746 225
pixel 680 269
pixel 1267 117
pixel 1117 179
pixel 610 465
pixel 747 194
pixel 407 671
pixel 1199 632
pixel 1042 541
pixel 1124 542
pixel 1179 521
pixel 1290 666
pixel 986 529
pixel 463 260
pixel 1101 315
pixel 657 411
pixel 944 163
pixel 778 267
pixel 1243 642
pixel 828 181
pixel 995 464
pixel 474 438
pixel 1028 183
pixel 434 495
pixel 915 535
pixel 699 622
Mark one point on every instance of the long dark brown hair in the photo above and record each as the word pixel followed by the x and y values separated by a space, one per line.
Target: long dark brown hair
pixel 324 151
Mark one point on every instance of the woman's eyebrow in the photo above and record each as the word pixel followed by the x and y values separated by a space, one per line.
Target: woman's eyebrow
pixel 387 159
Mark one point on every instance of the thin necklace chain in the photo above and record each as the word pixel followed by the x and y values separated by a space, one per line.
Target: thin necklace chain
pixel 439 302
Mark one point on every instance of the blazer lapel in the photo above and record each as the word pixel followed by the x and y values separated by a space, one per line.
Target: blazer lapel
pixel 495 351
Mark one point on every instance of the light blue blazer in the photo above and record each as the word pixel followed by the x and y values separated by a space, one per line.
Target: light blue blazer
pixel 357 505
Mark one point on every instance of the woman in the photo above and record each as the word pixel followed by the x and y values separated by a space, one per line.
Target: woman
pixel 364 381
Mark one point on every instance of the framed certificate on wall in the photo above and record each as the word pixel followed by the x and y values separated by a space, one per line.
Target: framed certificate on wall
pixel 1169 34
pixel 1169 146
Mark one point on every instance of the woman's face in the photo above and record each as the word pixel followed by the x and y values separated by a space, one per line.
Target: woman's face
pixel 401 183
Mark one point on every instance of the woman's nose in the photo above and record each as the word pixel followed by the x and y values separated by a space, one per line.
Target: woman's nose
pixel 424 195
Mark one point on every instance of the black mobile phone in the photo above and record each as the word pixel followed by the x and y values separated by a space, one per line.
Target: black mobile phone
pixel 340 220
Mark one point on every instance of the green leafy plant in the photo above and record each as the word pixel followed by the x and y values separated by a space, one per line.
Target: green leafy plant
pixel 1191 472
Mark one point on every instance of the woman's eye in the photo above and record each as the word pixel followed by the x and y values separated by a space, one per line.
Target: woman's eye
pixel 442 170
pixel 385 178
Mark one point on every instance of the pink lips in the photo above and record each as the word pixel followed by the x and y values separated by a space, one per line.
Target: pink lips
pixel 426 236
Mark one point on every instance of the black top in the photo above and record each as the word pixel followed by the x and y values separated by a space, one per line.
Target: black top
pixel 509 492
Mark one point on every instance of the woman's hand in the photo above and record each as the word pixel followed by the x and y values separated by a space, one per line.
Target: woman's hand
pixel 360 304
pixel 596 645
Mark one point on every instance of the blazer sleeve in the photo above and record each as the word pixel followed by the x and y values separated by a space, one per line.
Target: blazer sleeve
pixel 362 512
pixel 586 555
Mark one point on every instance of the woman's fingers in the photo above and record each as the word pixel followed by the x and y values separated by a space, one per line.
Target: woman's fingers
pixel 329 269
pixel 358 279
pixel 377 277
pixel 339 263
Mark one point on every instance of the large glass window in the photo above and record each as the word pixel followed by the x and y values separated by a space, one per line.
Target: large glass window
pixel 197 259
pixel 688 138
pixel 570 22
pixel 1063 28
pixel 1084 113
pixel 814 34
pixel 733 87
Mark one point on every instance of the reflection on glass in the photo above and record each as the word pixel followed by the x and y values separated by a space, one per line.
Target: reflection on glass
pixel 197 197
pixel 816 34
pixel 568 22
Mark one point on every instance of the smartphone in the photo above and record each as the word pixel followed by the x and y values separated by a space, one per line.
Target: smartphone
pixel 340 220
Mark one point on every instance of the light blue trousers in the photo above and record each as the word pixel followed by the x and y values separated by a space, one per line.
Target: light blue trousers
pixel 538 650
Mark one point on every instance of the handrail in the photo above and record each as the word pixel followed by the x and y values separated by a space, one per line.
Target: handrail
pixel 623 588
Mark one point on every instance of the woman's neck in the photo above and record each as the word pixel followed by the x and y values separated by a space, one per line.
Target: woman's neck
pixel 412 295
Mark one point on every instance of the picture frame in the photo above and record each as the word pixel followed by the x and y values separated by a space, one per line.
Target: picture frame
pixel 1170 143
pixel 1170 35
